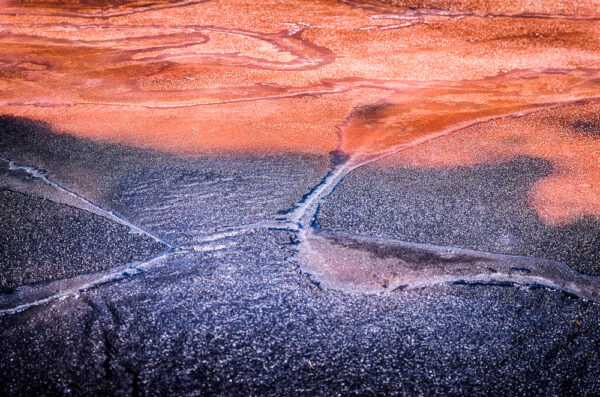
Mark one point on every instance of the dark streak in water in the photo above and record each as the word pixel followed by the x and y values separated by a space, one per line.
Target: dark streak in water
pixel 372 112
pixel 338 157
pixel 586 128
pixel 393 11
pixel 413 254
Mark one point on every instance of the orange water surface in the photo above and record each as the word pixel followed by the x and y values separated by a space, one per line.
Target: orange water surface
pixel 456 82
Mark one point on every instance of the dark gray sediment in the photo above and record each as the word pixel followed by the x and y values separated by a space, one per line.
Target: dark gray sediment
pixel 43 241
pixel 245 321
pixel 238 316
pixel 483 207
pixel 178 199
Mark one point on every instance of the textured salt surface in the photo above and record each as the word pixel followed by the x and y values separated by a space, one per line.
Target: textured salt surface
pixel 229 310
pixel 482 207
pixel 178 199
pixel 43 241
pixel 244 321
